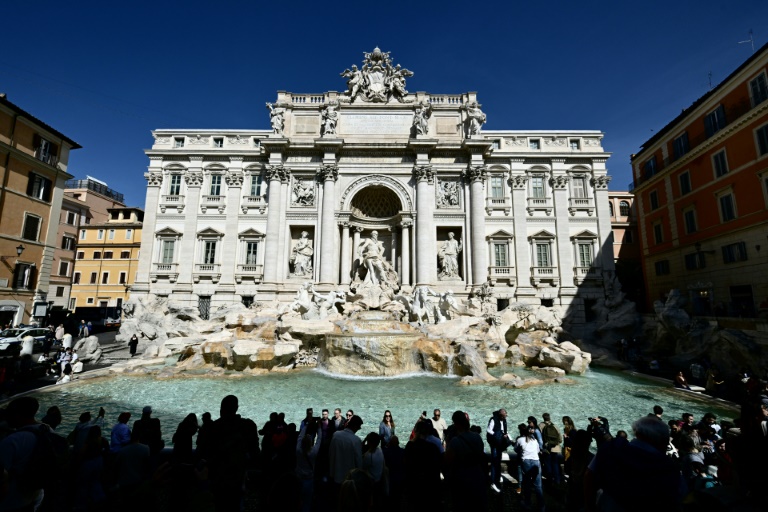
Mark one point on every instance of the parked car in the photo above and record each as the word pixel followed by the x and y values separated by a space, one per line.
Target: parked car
pixel 10 339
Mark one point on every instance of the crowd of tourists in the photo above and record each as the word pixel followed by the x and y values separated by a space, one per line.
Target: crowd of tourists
pixel 324 463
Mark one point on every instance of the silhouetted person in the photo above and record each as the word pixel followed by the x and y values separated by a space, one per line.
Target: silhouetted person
pixel 148 431
pixel 465 466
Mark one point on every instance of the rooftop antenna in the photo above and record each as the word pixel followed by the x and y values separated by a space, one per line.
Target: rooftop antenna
pixel 751 41
pixel 710 80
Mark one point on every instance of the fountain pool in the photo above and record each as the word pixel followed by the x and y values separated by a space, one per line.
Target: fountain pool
pixel 619 397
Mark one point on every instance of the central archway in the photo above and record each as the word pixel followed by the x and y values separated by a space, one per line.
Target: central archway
pixel 375 201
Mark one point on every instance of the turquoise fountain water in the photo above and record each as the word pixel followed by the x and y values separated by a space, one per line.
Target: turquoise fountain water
pixel 620 398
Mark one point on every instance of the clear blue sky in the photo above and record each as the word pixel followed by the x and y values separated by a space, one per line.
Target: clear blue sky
pixel 106 75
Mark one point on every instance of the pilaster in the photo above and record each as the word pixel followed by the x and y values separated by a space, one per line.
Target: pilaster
pixel 154 177
pixel 328 174
pixel 564 263
pixel 518 182
pixel 234 180
pixel 426 247
pixel 194 179
pixel 476 175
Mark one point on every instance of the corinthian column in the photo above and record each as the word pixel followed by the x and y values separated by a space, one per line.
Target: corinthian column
pixel 194 179
pixel 346 255
pixel 476 174
pixel 426 250
pixel 329 268
pixel 405 252
pixel 275 175
pixel 154 182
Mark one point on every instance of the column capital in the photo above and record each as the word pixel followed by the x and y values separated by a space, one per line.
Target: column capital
pixel 475 173
pixel 328 172
pixel 559 182
pixel 601 182
pixel 518 181
pixel 234 179
pixel 194 179
pixel 344 224
pixel 423 173
pixel 277 172
pixel 359 229
pixel 154 179
pixel 406 223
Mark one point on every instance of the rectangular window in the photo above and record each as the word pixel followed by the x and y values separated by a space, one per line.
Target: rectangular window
pixel 70 218
pixel 63 268
pixel 500 255
pixel 762 140
pixel 649 167
pixel 695 261
pixel 685 183
pixel 251 249
pixel 105 278
pixel 727 207
pixel 575 145
pixel 256 181
pixel 715 121
pixel 123 277
pixel 72 303
pixel 94 277
pixel 662 267
pixel 178 142
pixel 76 278
pixel 542 255
pixel 82 234
pixel 534 143
pixel 125 255
pixel 758 88
pixel 59 291
pixel 128 234
pixel 654 199
pixel 720 163
pixel 24 276
pixel 111 234
pixel 658 233
pixel 209 252
pixel 579 187
pixel 167 251
pixel 215 184
pixel 497 187
pixel 100 234
pixel 107 255
pixel 690 221
pixel 89 300
pixel 39 187
pixel 735 252
pixel 680 145
pixel 97 255
pixel 174 189
pixel 31 227
pixel 537 186
pixel 585 254
pixel 218 142
pixel 68 243
pixel 80 255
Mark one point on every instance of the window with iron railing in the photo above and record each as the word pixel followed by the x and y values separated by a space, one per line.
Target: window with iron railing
pixel 680 145
pixel 715 121
pixel 758 89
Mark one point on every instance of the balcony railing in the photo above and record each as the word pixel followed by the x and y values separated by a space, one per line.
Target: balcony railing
pixel 249 271
pixel 167 270
pixel 581 274
pixel 256 202
pixel 502 274
pixel 541 274
pixel 46 157
pixel 210 271
pixel 498 203
pixel 539 203
pixel 96 187
pixel 212 202
pixel 172 201
pixel 581 203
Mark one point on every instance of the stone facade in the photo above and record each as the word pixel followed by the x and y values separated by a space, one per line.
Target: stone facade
pixel 248 215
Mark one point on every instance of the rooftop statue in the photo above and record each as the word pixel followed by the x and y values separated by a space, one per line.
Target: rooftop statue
pixel 377 81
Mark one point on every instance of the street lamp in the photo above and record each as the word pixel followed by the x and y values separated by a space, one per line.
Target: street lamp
pixel 19 249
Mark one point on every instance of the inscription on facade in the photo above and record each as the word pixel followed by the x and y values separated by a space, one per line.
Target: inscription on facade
pixel 375 124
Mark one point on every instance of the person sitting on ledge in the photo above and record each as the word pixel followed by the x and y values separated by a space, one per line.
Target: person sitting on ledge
pixel 680 381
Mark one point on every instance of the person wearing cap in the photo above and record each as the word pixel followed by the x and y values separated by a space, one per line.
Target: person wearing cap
pixel 346 450
pixel 148 431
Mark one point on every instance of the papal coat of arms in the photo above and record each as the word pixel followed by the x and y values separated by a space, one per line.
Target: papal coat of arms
pixel 378 80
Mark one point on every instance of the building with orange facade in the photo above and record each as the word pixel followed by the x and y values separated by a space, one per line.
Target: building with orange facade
pixel 33 170
pixel 626 244
pixel 701 196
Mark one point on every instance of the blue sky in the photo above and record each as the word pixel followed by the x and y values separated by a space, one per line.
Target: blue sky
pixel 106 75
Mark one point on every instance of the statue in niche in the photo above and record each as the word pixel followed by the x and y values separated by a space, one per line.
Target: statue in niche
pixel 448 194
pixel 301 256
pixel 303 193
pixel 330 117
pixel 475 118
pixel 371 253
pixel 276 118
pixel 449 257
pixel 421 119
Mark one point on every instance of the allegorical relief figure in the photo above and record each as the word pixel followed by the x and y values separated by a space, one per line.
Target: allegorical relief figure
pixel 329 117
pixel 301 256
pixel 303 193
pixel 448 194
pixel 421 119
pixel 276 118
pixel 475 118
pixel 449 257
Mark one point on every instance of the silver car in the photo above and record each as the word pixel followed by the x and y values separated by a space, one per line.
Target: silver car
pixel 10 339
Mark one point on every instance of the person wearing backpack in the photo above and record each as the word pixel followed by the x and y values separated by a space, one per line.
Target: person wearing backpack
pixel 28 455
pixel 552 453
